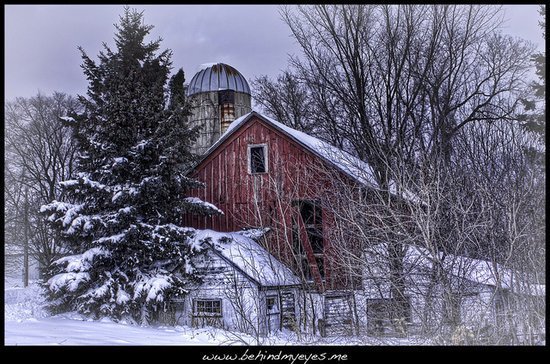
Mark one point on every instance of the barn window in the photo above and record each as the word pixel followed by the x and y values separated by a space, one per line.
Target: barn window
pixel 305 268
pixel 321 265
pixel 208 307
pixel 257 158
pixel 316 239
pixel 312 217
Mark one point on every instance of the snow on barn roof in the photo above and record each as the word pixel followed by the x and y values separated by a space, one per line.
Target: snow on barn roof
pixel 474 270
pixel 249 257
pixel 350 165
pixel 353 167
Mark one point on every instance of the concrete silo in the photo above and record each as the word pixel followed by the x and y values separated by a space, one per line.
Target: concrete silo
pixel 218 94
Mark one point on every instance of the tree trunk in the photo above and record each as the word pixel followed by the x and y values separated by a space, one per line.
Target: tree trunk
pixel 26 240
pixel 397 282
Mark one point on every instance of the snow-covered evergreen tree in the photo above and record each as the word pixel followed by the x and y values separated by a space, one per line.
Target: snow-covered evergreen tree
pixel 131 188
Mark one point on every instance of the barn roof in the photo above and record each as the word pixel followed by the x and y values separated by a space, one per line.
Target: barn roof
pixel 249 257
pixel 345 162
pixel 353 167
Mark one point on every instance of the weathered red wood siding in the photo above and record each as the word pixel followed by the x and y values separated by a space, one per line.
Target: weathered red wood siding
pixel 262 200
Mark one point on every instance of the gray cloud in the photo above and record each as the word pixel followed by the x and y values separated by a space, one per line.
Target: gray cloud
pixel 41 40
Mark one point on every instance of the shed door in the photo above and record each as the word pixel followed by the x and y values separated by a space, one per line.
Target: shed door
pixel 338 315
pixel 179 312
pixel 288 310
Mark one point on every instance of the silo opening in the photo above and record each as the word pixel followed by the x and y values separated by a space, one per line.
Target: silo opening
pixel 227 108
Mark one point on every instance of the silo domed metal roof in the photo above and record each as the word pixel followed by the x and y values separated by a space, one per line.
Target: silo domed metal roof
pixel 217 76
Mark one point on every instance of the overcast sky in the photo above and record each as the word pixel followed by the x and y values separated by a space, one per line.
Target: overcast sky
pixel 41 40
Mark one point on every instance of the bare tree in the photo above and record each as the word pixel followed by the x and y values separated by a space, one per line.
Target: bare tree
pixel 396 78
pixel 395 84
pixel 39 153
pixel 286 99
pixel 494 220
pixel 510 183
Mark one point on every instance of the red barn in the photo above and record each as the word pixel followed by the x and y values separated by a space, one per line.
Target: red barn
pixel 263 174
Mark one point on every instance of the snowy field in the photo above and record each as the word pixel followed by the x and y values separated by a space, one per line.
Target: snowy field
pixel 27 323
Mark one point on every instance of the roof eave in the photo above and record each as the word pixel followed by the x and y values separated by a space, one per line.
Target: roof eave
pixel 278 286
pixel 242 271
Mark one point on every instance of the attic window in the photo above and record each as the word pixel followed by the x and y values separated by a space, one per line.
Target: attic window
pixel 257 158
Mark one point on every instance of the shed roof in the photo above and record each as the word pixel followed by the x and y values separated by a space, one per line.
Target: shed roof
pixel 474 270
pixel 249 257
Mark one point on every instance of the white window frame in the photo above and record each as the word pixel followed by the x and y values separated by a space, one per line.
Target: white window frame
pixel 249 157
pixel 196 312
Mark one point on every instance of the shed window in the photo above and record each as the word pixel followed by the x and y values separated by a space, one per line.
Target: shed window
pixel 210 307
pixel 257 157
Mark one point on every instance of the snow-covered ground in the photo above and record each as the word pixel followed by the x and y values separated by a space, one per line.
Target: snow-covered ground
pixel 28 323
pixel 67 330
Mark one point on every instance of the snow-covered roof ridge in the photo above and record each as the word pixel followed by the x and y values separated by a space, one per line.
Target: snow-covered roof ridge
pixel 347 163
pixel 351 166
pixel 251 258
pixel 342 160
